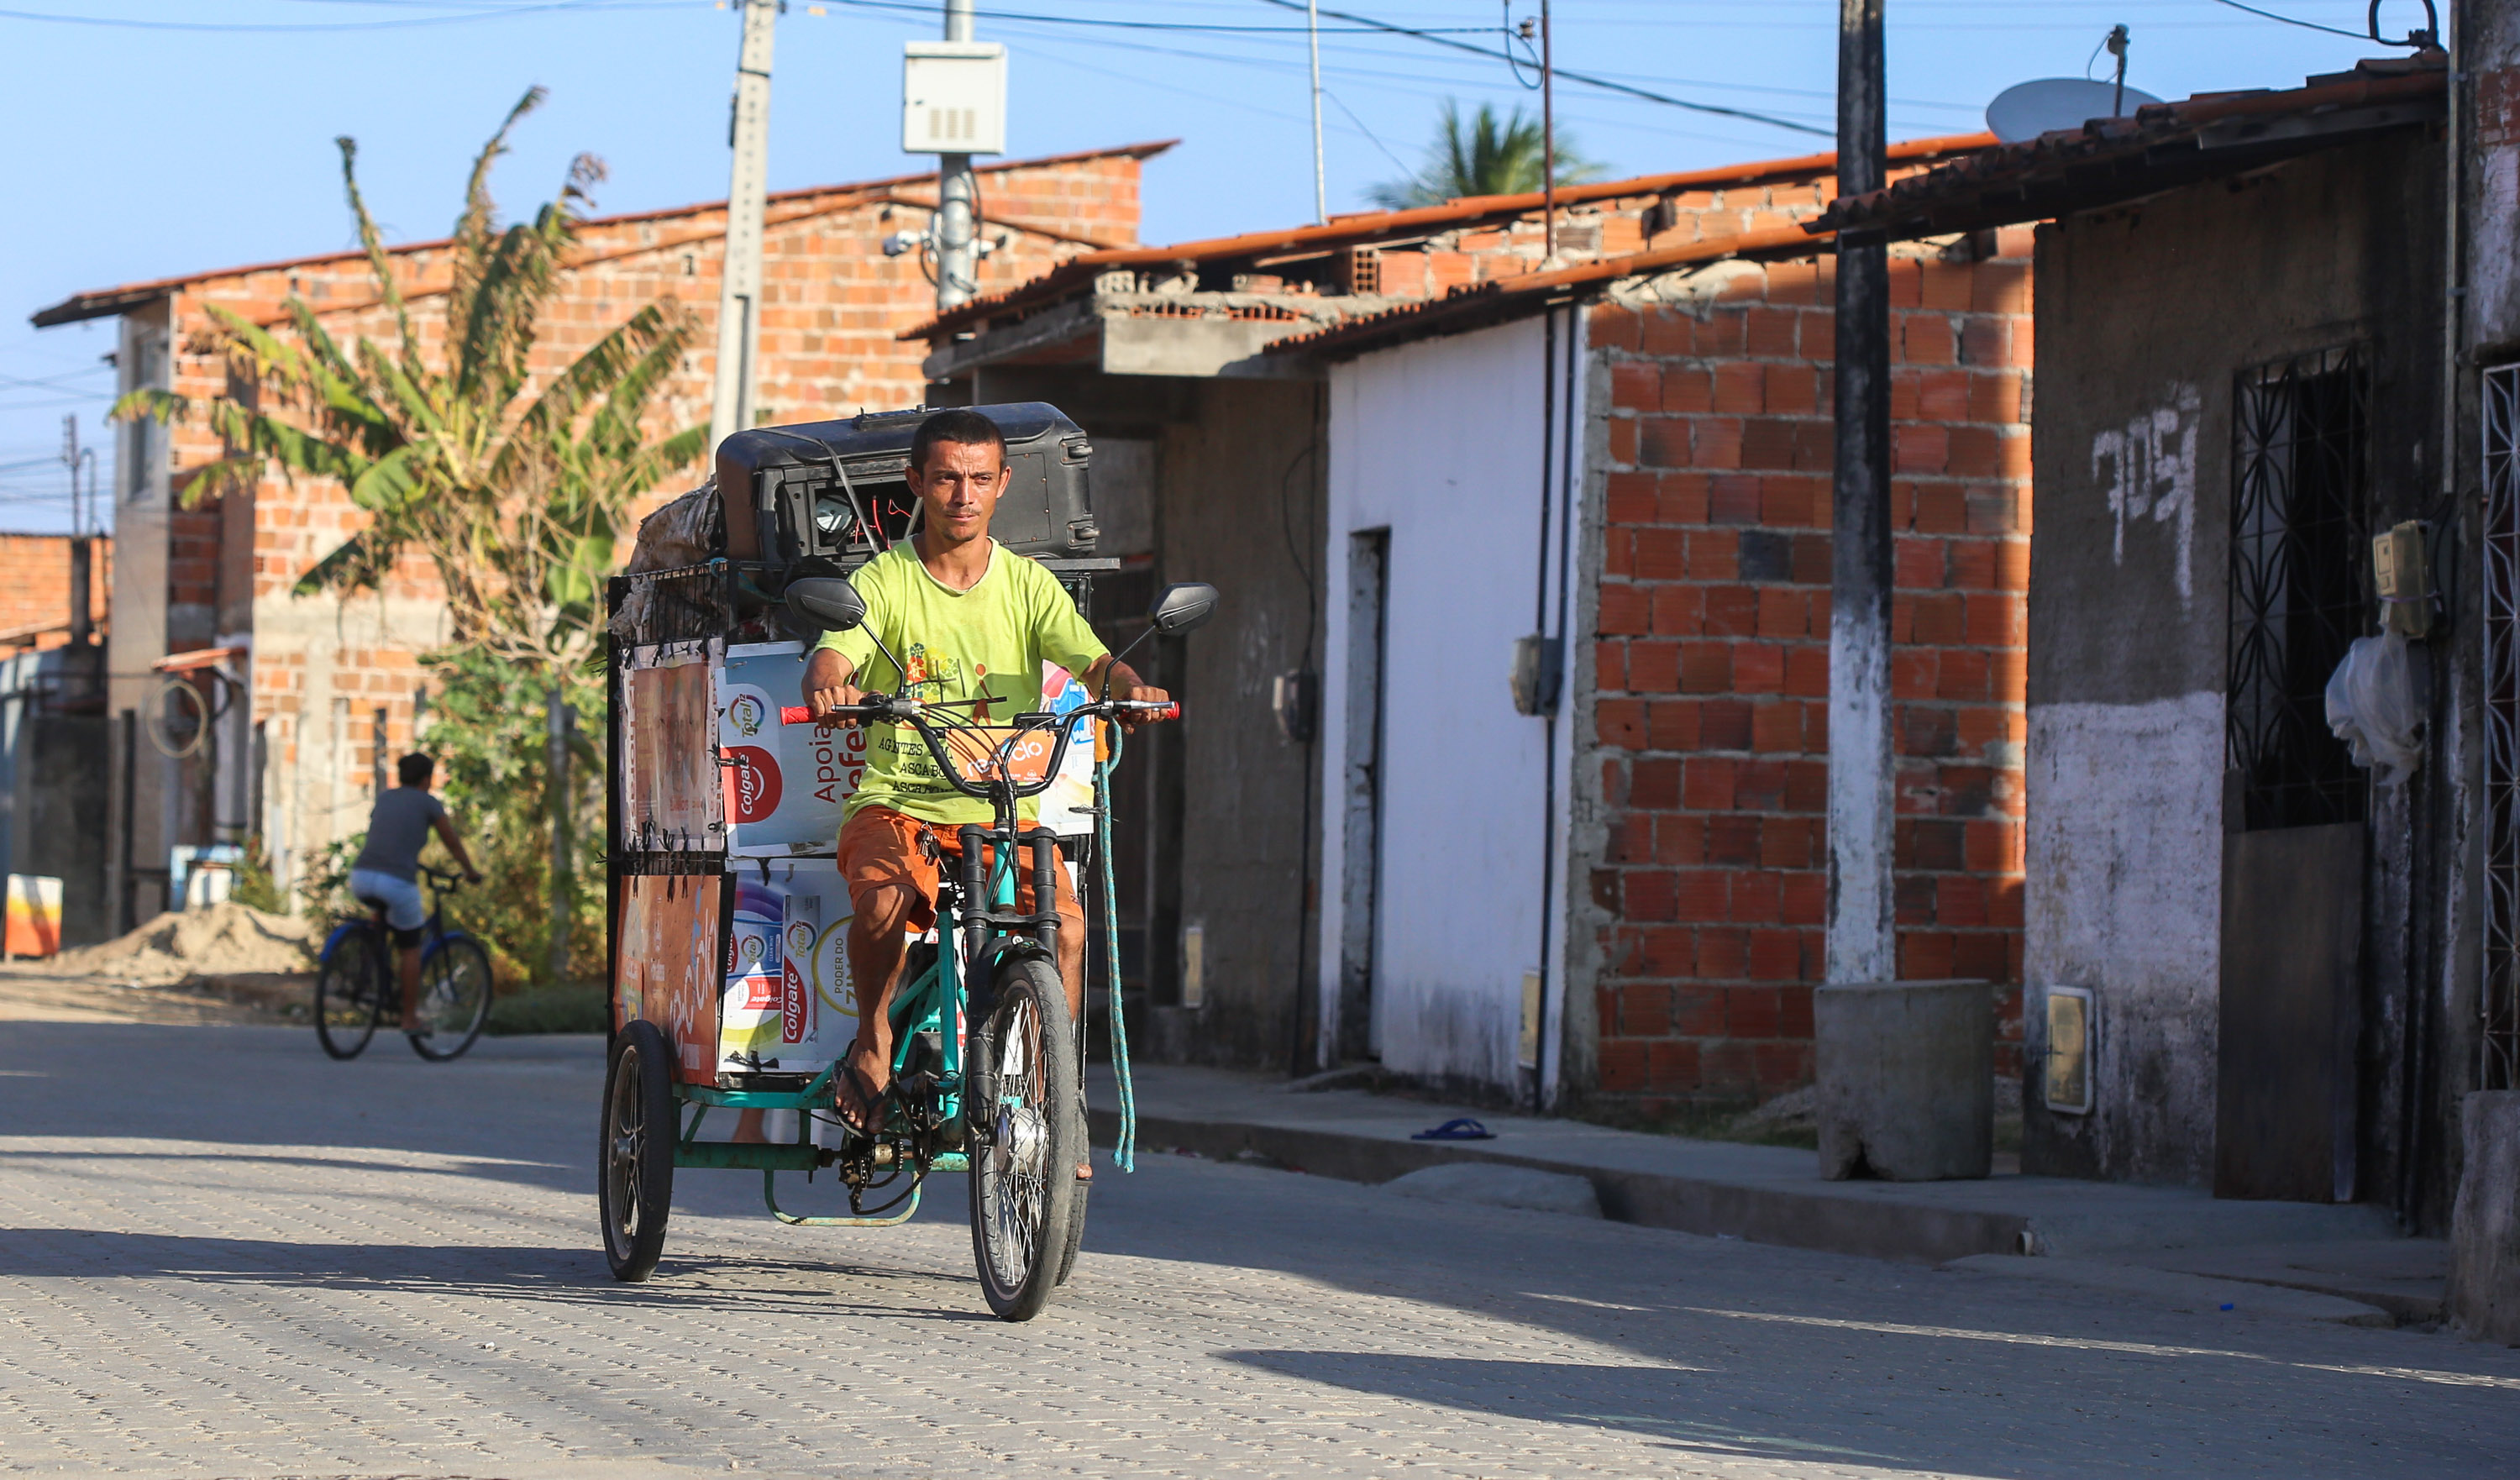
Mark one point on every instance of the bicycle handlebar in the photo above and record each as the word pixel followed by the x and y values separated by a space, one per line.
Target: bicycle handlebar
pixel 879 708
pixel 882 708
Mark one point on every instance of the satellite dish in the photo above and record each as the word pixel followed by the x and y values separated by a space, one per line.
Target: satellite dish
pixel 2032 109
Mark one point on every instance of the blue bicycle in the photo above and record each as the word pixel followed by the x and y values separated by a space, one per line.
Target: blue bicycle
pixel 357 984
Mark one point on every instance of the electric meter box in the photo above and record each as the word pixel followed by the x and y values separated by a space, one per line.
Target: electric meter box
pixel 954 98
pixel 834 491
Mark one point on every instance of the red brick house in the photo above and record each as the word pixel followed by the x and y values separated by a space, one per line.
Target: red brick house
pixel 36 588
pixel 331 686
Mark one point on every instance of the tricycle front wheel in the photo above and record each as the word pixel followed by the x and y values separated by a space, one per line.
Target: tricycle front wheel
pixel 634 1184
pixel 1027 1140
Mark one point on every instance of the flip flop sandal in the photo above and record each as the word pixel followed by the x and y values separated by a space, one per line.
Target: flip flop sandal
pixel 1460 1128
pixel 868 1117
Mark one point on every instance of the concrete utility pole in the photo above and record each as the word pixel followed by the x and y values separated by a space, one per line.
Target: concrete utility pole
pixel 1863 945
pixel 1320 175
pixel 739 303
pixel 957 223
pixel 1547 141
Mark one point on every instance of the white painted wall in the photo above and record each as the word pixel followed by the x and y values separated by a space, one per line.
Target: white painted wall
pixel 2124 895
pixel 1440 442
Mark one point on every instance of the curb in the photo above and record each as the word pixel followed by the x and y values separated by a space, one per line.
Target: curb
pixel 1832 1223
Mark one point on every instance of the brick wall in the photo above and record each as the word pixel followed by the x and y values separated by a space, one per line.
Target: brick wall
pixel 1611 226
pixel 35 584
pixel 1711 659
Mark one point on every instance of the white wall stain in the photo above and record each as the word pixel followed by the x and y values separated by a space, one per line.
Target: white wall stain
pixel 2123 894
pixel 2149 467
pixel 2498 219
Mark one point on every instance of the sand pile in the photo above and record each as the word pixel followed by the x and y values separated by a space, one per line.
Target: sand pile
pixel 223 940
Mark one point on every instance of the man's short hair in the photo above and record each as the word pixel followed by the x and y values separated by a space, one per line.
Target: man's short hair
pixel 416 768
pixel 959 424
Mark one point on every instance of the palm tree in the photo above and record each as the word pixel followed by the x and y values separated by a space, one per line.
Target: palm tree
pixel 515 491
pixel 1491 156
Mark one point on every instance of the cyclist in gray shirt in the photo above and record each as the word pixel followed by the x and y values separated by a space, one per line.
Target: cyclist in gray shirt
pixel 385 876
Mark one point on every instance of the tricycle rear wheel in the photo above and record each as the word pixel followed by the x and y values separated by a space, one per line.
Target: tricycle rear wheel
pixel 1027 1140
pixel 634 1182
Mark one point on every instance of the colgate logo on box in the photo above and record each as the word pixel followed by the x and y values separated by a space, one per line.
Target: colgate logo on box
pixel 751 783
pixel 792 1003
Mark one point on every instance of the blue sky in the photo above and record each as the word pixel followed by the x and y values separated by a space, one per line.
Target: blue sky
pixel 141 150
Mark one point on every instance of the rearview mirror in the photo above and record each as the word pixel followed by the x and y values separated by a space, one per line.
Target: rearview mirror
pixel 1181 608
pixel 826 601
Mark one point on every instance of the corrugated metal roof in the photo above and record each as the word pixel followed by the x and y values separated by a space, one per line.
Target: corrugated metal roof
pixel 111 300
pixel 1080 271
pixel 2165 145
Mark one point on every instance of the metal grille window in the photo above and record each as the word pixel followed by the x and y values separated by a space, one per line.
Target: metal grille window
pixel 2299 464
pixel 2501 1025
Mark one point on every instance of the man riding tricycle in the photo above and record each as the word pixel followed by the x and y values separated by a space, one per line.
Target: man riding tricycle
pixel 847 921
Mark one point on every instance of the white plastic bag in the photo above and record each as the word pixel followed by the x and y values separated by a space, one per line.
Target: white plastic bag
pixel 2371 706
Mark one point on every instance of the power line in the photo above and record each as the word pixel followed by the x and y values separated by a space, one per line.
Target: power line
pixel 51 383
pixel 1390 81
pixel 122 23
pixel 1154 26
pixel 1585 78
pixel 1369 133
pixel 2308 25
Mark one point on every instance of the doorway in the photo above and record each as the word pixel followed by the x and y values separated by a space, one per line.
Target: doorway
pixel 1360 1028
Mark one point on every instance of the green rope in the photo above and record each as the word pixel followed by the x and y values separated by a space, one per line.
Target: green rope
pixel 1124 1151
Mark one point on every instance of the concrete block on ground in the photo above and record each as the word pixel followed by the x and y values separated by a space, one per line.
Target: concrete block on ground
pixel 1499 1185
pixel 1906 1079
pixel 2485 1223
pixel 2180 1292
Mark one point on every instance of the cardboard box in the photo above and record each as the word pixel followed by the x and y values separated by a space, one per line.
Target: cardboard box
pixel 785 785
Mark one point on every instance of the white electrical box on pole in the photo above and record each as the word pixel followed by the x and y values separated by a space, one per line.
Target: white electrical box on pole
pixel 954 106
pixel 739 303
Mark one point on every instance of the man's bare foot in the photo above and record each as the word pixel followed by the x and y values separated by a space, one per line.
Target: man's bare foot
pixel 858 1098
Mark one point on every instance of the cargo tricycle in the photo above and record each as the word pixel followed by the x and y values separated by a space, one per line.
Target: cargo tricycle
pixel 731 1002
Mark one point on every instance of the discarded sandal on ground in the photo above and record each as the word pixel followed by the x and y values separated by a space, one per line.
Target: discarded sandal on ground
pixel 1460 1128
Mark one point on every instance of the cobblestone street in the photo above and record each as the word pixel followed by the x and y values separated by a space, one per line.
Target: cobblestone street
pixel 223 1255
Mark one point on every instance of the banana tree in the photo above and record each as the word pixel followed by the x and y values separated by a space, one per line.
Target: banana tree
pixel 515 486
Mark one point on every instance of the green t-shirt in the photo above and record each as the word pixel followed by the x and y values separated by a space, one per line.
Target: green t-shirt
pixel 986 643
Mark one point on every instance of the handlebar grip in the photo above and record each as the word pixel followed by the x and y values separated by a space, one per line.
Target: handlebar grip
pixel 1168 709
pixel 875 706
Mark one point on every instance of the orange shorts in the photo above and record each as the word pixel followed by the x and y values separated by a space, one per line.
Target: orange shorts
pixel 880 848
